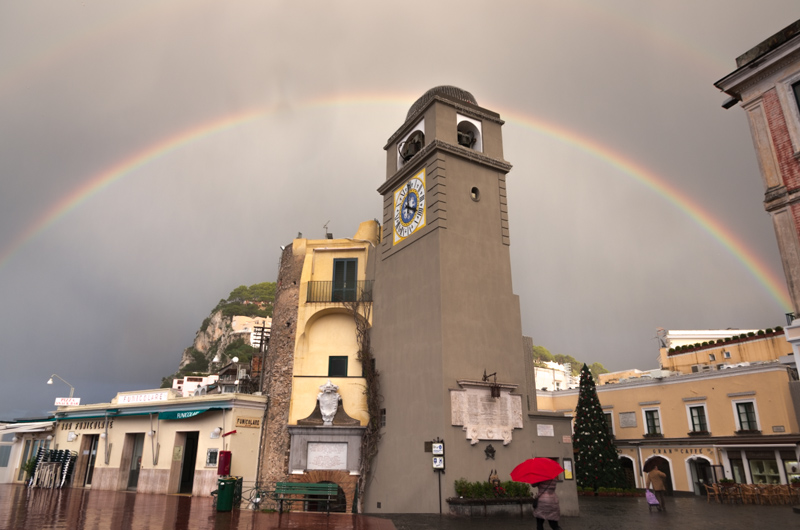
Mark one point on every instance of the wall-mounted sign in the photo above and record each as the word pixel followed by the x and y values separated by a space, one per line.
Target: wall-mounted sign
pixel 567 469
pixel 437 448
pixel 438 462
pixel 67 402
pixel 566 439
pixel 143 398
pixel 250 423
pixel 627 419
pixel 545 430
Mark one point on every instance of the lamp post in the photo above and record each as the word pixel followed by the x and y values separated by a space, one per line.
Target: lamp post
pixel 71 388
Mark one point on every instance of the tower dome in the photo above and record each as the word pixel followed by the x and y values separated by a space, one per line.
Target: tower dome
pixel 444 90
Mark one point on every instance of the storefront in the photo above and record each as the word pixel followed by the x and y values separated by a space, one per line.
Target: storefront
pixel 19 442
pixel 155 441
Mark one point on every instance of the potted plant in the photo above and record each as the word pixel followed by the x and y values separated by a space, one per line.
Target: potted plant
pixel 29 468
pixel 726 481
pixel 795 482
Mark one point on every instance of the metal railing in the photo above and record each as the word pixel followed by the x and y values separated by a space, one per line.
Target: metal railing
pixel 338 292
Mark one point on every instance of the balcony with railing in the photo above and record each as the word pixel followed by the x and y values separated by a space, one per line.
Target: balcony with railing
pixel 339 292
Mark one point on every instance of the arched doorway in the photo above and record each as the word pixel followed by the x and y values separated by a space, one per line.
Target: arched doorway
pixel 663 465
pixel 337 505
pixel 628 470
pixel 700 472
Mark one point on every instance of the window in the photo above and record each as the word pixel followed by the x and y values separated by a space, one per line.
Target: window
pixel 697 418
pixel 344 280
pixel 652 422
pixel 383 417
pixel 610 422
pixel 337 366
pixel 5 452
pixel 212 457
pixel 712 357
pixel 746 415
pixel 796 90
pixel 726 354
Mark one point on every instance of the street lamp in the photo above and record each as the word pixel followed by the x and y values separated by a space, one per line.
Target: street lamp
pixel 71 388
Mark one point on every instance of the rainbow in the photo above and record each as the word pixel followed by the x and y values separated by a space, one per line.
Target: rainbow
pixel 104 179
pixel 773 283
pixel 762 272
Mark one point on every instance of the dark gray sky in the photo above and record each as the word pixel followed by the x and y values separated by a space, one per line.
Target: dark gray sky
pixel 154 155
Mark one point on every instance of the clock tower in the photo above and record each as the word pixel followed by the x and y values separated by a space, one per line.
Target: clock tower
pixel 447 336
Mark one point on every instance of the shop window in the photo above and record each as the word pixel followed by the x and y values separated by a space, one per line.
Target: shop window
pixel 337 366
pixel 765 472
pixel 5 452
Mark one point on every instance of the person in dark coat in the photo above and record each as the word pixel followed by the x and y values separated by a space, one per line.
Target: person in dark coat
pixel 547 508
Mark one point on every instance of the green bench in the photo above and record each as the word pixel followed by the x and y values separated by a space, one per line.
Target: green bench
pixel 302 491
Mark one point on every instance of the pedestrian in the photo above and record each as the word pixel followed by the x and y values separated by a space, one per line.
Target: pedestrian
pixel 657 477
pixel 547 505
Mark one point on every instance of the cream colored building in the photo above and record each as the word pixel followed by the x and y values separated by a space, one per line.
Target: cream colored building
pixel 246 326
pixel 154 441
pixel 739 423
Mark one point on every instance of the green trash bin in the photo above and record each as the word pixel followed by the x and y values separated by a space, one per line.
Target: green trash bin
pixel 229 493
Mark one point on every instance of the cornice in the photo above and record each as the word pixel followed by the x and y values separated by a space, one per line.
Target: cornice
pixel 417 161
pixel 743 79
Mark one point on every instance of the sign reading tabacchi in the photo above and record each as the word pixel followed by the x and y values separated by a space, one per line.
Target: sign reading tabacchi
pixel 250 423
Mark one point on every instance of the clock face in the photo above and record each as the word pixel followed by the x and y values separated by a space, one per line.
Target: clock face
pixel 409 207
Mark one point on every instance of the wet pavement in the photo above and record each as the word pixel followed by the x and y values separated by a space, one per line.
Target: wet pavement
pixel 79 509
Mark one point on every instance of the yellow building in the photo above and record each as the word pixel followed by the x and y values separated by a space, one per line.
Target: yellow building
pixel 739 423
pixel 154 441
pixel 694 351
pixel 318 414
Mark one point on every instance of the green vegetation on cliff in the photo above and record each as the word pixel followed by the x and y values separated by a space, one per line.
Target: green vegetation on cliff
pixel 254 301
pixel 542 355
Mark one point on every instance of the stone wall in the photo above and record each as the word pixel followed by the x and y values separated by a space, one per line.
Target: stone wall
pixel 279 368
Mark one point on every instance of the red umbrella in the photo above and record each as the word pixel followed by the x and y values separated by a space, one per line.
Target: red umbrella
pixel 536 470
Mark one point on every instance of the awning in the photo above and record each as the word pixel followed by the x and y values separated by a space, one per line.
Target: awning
pixel 27 427
pixel 181 414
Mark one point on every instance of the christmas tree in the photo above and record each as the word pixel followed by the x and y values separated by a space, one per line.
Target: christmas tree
pixel 596 462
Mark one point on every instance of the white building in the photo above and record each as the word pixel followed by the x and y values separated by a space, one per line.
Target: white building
pixel 555 376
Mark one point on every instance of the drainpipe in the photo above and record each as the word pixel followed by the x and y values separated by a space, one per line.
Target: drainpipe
pixel 105 438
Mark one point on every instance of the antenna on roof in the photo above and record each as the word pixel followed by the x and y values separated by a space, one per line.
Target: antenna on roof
pixel 328 235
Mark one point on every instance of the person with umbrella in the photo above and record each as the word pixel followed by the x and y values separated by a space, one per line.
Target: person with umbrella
pixel 542 472
pixel 656 477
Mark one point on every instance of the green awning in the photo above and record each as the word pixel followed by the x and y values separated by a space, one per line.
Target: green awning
pixel 180 414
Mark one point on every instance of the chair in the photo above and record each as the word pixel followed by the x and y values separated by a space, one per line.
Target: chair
pixel 750 494
pixel 712 491
pixel 731 493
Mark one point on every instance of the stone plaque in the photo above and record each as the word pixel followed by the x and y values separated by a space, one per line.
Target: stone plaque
pixel 484 417
pixel 545 430
pixel 329 455
pixel 627 419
